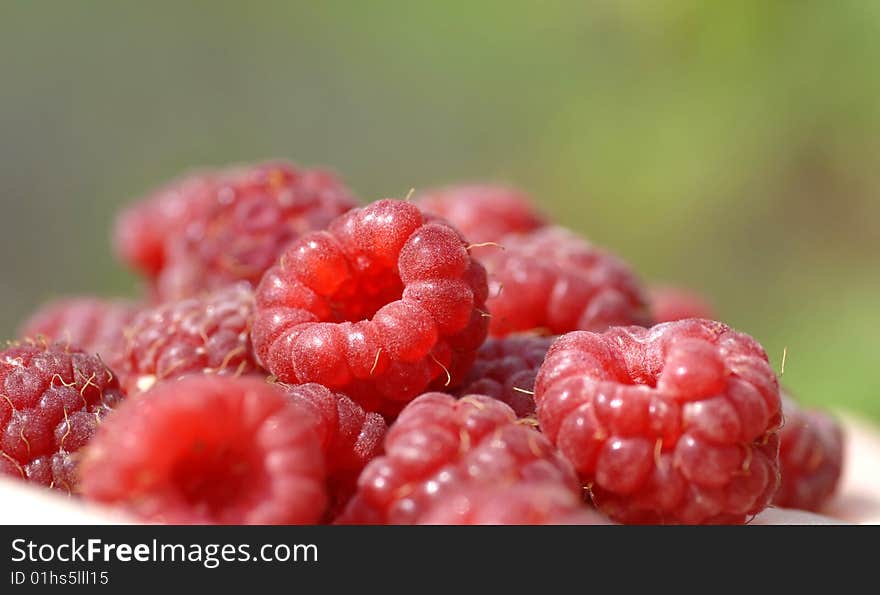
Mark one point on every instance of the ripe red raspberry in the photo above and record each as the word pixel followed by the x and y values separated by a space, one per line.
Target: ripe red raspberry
pixel 143 230
pixel 674 424
pixel 810 457
pixel 93 324
pixel 505 369
pixel 379 306
pixel 209 450
pixel 350 437
pixel 207 334
pixel 439 445
pixel 254 214
pixel 52 397
pixel 553 280
pixel 669 304
pixel 482 212
pixel 536 503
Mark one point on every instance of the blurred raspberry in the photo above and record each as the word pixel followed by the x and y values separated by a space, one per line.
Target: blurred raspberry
pixel 440 445
pixel 482 212
pixel 673 424
pixel 669 304
pixel 95 325
pixel 554 281
pixel 505 369
pixel 53 397
pixel 525 504
pixel 200 335
pixel 810 457
pixel 209 450
pixel 256 212
pixel 144 229
pixel 379 307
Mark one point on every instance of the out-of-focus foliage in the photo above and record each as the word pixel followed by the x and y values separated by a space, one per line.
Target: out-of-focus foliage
pixel 730 146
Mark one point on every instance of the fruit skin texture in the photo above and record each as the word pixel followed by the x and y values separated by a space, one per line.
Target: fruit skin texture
pixel 811 445
pixel 483 212
pixel 200 335
pixel 505 369
pixel 528 504
pixel 349 436
pixel 255 213
pixel 673 424
pixel 380 306
pixel 669 303
pixel 440 445
pixel 553 281
pixel 52 398
pixel 95 325
pixel 209 450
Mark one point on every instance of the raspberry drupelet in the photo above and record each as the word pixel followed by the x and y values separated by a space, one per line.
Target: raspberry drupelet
pixel 93 324
pixel 505 369
pixel 255 213
pixel 380 306
pixel 52 398
pixel 209 450
pixel 350 437
pixel 482 212
pixel 536 503
pixel 673 424
pixel 554 281
pixel 199 335
pixel 669 303
pixel 440 445
pixel 810 457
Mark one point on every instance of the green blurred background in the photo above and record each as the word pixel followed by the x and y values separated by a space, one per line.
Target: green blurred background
pixel 729 146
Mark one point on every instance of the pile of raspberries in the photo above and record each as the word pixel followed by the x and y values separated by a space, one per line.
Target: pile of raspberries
pixel 452 358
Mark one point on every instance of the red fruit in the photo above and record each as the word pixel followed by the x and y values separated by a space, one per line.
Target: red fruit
pixel 537 503
pixel 254 214
pixel 207 334
pixel 143 230
pixel 505 369
pixel 554 281
pixel 52 397
pixel 379 307
pixel 440 445
pixel 810 457
pixel 350 437
pixel 483 212
pixel 209 450
pixel 673 424
pixel 669 304
pixel 93 324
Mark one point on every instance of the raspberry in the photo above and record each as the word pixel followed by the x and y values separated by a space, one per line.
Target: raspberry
pixel 93 324
pixel 482 212
pixel 810 457
pixel 669 304
pixel 553 280
pixel 379 306
pixel 350 437
pixel 440 445
pixel 143 230
pixel 505 369
pixel 209 450
pixel 538 503
pixel 673 424
pixel 208 334
pixel 52 397
pixel 254 214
